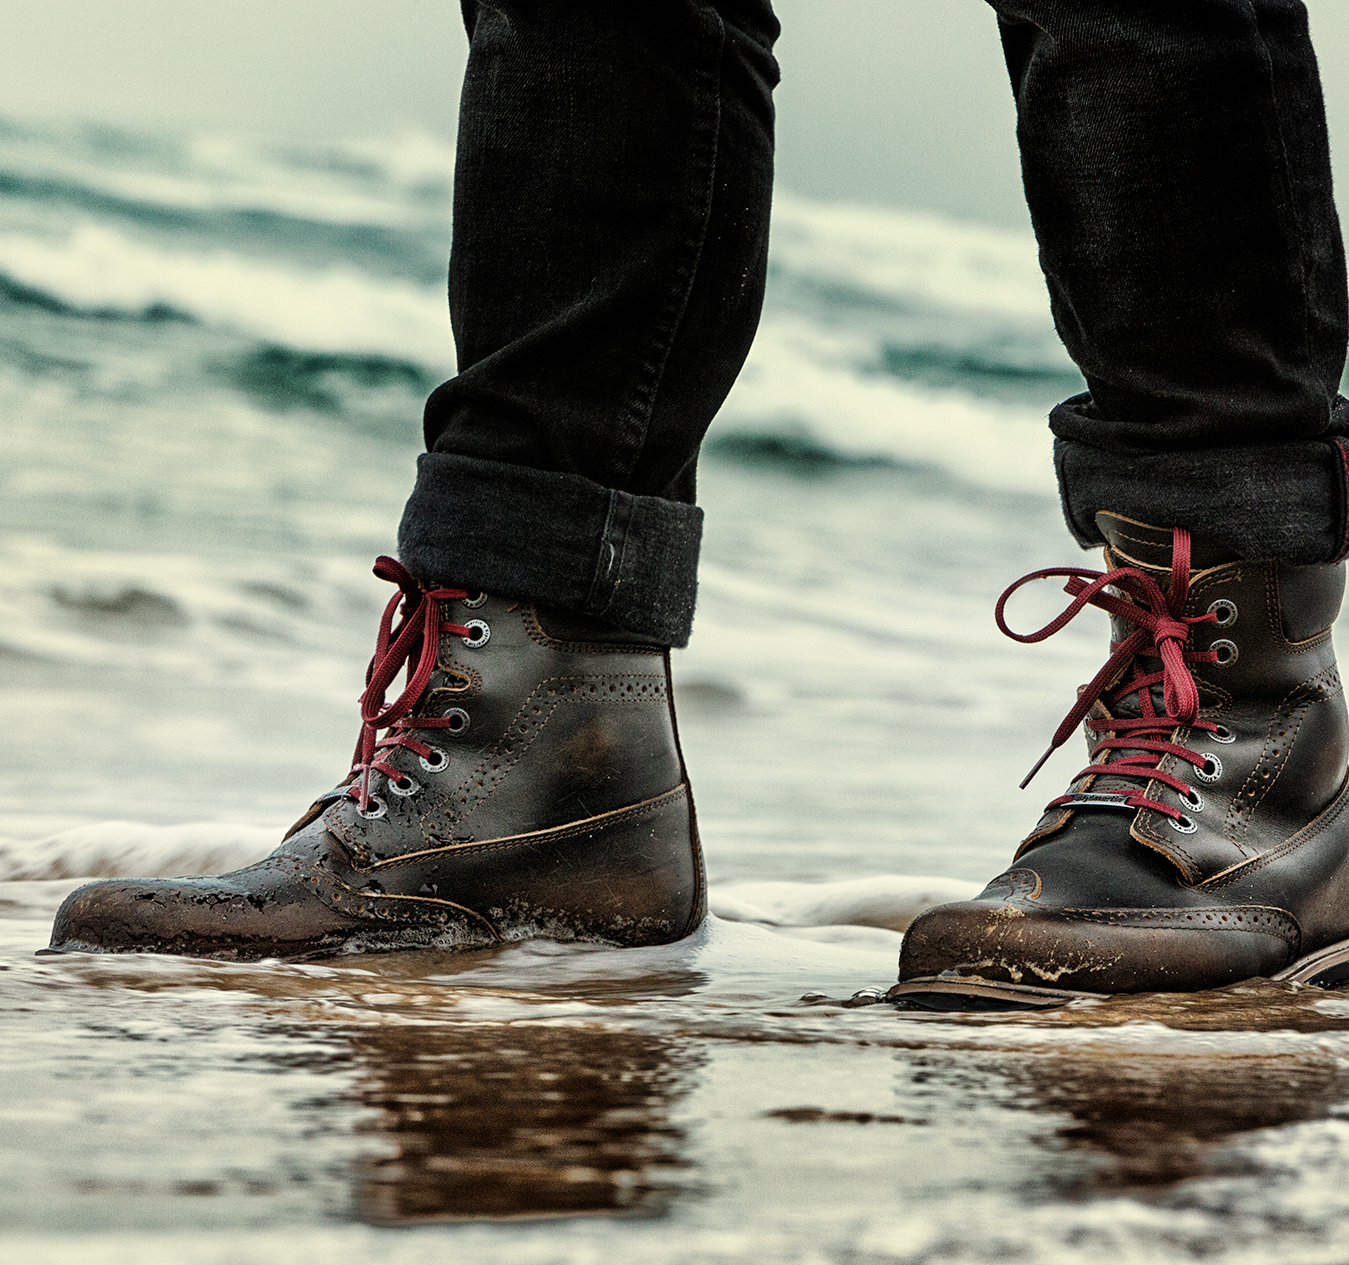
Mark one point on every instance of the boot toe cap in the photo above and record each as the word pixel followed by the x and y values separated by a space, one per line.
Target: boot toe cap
pixel 264 911
pixel 117 916
pixel 1103 950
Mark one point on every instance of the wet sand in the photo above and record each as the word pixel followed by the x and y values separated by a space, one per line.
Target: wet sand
pixel 574 1103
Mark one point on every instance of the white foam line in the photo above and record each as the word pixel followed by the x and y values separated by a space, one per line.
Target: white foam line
pixel 910 254
pixel 787 384
pixel 127 849
pixel 889 901
pixel 336 308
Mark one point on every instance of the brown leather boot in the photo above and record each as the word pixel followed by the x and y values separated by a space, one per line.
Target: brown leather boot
pixel 529 783
pixel 1208 840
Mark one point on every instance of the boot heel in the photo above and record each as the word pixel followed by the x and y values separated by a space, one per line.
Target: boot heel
pixel 1326 968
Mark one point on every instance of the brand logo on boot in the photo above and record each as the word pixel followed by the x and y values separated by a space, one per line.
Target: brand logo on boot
pixel 1018 884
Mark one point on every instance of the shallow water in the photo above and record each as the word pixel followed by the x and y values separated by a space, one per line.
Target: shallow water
pixel 681 1104
pixel 211 361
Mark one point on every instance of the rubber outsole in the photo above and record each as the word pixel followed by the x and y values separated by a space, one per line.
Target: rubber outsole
pixel 1326 968
pixel 973 993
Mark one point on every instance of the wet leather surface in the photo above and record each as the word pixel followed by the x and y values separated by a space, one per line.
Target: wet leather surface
pixel 559 809
pixel 1110 901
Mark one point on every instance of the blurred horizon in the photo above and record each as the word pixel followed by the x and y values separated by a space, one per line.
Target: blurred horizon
pixel 898 105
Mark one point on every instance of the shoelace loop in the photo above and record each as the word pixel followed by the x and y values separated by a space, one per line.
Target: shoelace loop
pixel 1163 631
pixel 409 633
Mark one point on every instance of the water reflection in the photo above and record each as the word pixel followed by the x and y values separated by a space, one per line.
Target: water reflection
pixel 1157 1121
pixel 520 1121
pixel 1160 1117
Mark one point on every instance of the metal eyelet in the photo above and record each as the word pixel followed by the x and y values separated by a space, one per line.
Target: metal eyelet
pixel 439 766
pixel 483 634
pixel 1183 825
pixel 1221 645
pixel 375 809
pixel 474 602
pixel 1225 611
pixel 1202 771
pixel 1223 734
pixel 460 716
pixel 1194 801
pixel 404 786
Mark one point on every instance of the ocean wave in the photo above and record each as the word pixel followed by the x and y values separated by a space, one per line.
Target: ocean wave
pixel 909 257
pixel 407 250
pixel 124 849
pixel 889 337
pixel 282 378
pixel 815 391
pixel 811 395
pixel 793 448
pixel 185 617
pixel 16 294
pixel 888 901
pixel 402 181
pixel 335 308
pixel 992 369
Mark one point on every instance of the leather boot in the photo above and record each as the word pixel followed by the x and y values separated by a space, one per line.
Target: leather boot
pixel 528 783
pixel 1207 842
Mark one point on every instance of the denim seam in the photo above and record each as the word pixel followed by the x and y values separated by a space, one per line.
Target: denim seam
pixel 1084 535
pixel 620 557
pixel 1343 506
pixel 609 555
pixel 1286 189
pixel 602 572
pixel 642 395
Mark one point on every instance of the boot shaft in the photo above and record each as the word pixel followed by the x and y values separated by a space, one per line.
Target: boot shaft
pixel 549 729
pixel 1273 619
pixel 1281 750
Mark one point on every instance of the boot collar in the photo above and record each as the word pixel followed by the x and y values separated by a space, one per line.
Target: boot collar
pixel 1136 544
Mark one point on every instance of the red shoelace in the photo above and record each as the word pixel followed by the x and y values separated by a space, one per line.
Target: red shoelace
pixel 1162 632
pixel 409 633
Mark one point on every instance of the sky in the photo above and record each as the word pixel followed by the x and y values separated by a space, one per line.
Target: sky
pixel 895 102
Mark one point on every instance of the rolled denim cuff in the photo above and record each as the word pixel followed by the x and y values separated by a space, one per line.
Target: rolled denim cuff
pixel 1285 501
pixel 556 539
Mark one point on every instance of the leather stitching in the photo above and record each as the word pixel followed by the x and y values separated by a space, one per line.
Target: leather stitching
pixel 1277 923
pixel 561 833
pixel 1308 832
pixel 523 729
pixel 537 634
pixel 1239 814
pixel 390 908
pixel 1274 605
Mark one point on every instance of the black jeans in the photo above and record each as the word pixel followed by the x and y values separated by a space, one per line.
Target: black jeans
pixel 612 197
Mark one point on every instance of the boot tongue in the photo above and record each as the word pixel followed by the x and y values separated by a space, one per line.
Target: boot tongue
pixel 1127 707
pixel 1131 543
pixel 450 683
pixel 1141 545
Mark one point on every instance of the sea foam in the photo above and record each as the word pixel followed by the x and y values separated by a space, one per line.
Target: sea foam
pixel 336 308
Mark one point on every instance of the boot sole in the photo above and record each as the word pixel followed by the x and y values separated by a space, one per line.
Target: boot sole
pixel 630 877
pixel 1326 968
pixel 973 993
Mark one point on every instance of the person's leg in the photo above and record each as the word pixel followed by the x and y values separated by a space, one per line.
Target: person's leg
pixel 612 197
pixel 1177 170
pixel 612 194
